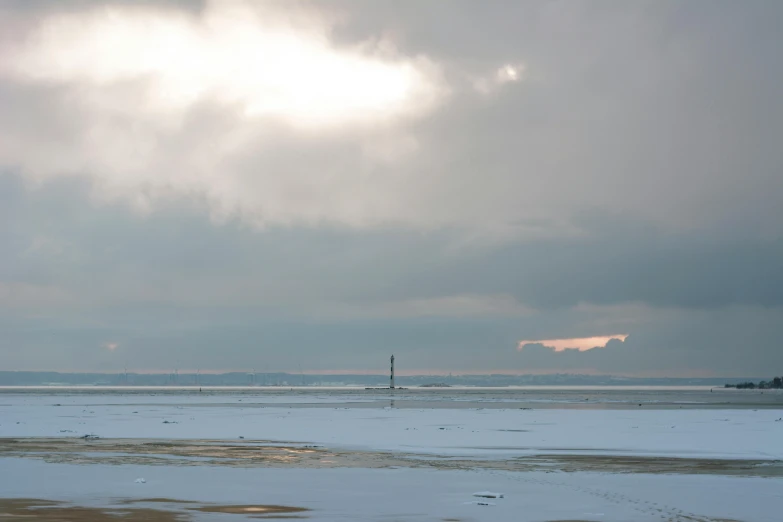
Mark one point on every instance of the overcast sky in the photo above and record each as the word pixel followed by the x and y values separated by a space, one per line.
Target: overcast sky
pixel 517 187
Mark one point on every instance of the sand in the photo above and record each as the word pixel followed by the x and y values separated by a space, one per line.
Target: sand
pixel 51 511
pixel 250 453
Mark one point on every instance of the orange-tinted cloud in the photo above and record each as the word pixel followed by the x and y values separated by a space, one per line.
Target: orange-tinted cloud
pixel 577 343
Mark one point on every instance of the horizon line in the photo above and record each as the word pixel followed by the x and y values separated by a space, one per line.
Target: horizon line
pixel 414 373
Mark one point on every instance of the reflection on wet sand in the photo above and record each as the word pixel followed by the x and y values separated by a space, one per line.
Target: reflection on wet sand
pixel 258 511
pixel 50 511
pixel 258 453
pixel 40 510
pixel 13 510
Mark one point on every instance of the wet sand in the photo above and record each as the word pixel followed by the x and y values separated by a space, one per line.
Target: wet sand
pixel 40 510
pixel 275 454
pixel 18 510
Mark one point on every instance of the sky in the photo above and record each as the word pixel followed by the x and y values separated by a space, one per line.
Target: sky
pixel 557 186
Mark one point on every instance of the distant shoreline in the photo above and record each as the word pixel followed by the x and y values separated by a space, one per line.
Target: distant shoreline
pixel 290 380
pixel 358 387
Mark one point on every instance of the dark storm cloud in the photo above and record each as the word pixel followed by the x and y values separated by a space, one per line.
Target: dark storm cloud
pixel 172 288
pixel 615 263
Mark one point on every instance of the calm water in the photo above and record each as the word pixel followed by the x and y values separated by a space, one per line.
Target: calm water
pixel 583 397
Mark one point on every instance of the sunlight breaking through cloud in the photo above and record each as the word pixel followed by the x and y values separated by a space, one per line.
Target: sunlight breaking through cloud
pixel 581 344
pixel 237 53
pixel 508 73
pixel 248 109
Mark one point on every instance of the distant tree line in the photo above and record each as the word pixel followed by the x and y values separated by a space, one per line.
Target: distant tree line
pixel 774 384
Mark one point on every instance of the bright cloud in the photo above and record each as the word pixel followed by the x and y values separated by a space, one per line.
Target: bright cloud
pixel 578 343
pixel 236 53
pixel 509 73
pixel 505 74
pixel 111 346
pixel 246 108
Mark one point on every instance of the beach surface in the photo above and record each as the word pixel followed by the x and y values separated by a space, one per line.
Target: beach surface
pixel 621 455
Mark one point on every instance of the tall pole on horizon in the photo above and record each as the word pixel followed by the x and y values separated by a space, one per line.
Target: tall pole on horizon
pixel 391 377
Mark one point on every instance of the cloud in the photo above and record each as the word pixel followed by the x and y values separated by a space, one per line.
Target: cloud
pixel 152 131
pixel 111 346
pixel 243 55
pixel 450 306
pixel 503 75
pixel 155 106
pixel 340 298
pixel 16 294
pixel 619 261
pixel 581 344
pixel 677 342
pixel 624 176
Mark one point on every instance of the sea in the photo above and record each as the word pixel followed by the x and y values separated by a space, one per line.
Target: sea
pixel 524 397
